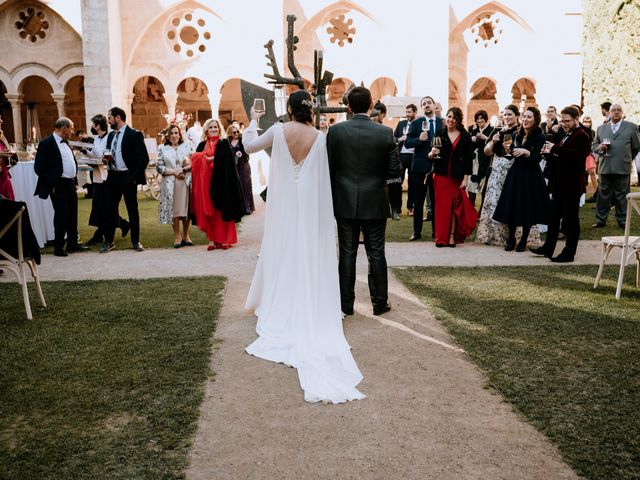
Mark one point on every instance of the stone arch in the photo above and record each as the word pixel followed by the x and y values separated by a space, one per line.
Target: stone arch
pixel 74 100
pixel 35 70
pixel 68 72
pixel 523 91
pixel 148 107
pixel 337 89
pixel 6 113
pixel 39 111
pixel 193 99
pixel 455 96
pixel 483 97
pixel 381 87
pixel 231 103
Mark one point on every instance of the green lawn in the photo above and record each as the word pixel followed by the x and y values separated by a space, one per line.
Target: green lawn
pixel 566 356
pixel 107 381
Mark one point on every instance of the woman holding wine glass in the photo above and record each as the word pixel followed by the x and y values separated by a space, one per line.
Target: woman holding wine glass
pixel 524 201
pixel 216 196
pixel 452 156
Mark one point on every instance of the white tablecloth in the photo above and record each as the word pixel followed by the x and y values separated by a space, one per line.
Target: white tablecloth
pixel 24 181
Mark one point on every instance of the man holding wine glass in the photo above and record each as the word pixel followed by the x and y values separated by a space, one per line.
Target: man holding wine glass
pixel 406 153
pixel 421 132
pixel 617 143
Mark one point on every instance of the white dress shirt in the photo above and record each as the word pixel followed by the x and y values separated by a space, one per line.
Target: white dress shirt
pixel 119 164
pixel 99 147
pixel 68 161
pixel 615 127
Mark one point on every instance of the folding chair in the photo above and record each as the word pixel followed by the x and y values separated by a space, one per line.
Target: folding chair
pixel 630 246
pixel 16 265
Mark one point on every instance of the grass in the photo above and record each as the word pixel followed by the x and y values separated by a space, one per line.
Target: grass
pixel 401 230
pixel 566 356
pixel 107 381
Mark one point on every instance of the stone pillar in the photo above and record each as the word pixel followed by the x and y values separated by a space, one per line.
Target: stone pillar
pixel 171 99
pixel 214 101
pixel 59 99
pixel 130 98
pixel 16 103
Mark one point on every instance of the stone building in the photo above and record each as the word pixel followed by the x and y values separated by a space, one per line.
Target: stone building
pixel 156 57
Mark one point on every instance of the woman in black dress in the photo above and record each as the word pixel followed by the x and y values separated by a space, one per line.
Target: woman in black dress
pixel 242 164
pixel 524 201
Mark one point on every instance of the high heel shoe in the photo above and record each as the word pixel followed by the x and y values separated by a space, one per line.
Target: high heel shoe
pixel 212 247
pixel 511 244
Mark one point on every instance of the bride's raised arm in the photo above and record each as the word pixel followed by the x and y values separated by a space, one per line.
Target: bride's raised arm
pixel 250 139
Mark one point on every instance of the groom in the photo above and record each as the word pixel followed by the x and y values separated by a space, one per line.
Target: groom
pixel 362 156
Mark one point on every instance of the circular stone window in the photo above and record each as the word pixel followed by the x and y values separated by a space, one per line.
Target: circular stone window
pixel 186 34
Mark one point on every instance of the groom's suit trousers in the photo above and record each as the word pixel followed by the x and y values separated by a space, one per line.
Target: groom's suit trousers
pixel 349 236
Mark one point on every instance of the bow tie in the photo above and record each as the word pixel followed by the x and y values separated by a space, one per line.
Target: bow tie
pixel 64 140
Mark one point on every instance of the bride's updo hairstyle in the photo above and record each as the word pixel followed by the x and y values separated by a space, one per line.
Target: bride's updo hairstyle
pixel 300 107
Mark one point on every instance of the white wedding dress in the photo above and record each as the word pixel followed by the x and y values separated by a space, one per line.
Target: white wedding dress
pixel 295 291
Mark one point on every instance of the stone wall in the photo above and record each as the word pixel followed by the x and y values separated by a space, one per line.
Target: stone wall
pixel 612 56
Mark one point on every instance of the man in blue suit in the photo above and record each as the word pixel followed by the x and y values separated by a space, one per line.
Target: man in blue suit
pixel 419 138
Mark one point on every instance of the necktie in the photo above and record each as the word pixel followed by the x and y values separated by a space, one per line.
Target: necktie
pixel 432 129
pixel 114 145
pixel 614 127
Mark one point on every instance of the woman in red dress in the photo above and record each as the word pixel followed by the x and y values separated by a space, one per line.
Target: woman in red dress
pixel 216 196
pixel 455 215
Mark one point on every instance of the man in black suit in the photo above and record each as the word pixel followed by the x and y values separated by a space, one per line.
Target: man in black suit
pixel 129 159
pixel 565 170
pixel 56 168
pixel 362 156
pixel 419 138
pixel 406 154
pixel 551 122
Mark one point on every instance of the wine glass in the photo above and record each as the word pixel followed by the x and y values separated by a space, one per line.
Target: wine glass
pixel 437 143
pixel 606 142
pixel 506 143
pixel 258 107
pixel 405 130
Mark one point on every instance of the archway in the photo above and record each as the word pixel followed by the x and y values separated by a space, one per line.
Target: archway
pixel 231 104
pixel 337 89
pixel 193 99
pixel 7 114
pixel 381 87
pixel 148 107
pixel 74 101
pixel 39 111
pixel 523 93
pixel 483 97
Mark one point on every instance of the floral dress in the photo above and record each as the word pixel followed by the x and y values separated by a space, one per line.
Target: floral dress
pixel 174 193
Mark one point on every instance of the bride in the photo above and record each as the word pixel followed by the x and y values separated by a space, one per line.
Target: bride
pixel 295 291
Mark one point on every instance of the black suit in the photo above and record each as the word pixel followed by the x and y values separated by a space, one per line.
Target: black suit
pixel 362 156
pixel 125 183
pixel 48 167
pixel 565 171
pixel 405 162
pixel 420 179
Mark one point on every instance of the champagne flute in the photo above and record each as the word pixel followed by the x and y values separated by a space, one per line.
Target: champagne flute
pixel 506 144
pixel 258 107
pixel 437 143
pixel 405 130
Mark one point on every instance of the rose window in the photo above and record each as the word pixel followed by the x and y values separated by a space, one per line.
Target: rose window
pixel 187 34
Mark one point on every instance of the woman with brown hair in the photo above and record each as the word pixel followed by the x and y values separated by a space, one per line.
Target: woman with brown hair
pixel 524 201
pixel 455 216
pixel 216 195
pixel 242 165
pixel 174 165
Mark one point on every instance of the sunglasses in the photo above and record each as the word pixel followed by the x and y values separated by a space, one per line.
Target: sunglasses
pixel 236 132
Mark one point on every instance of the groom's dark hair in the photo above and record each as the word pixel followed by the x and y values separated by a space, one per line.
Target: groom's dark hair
pixel 359 99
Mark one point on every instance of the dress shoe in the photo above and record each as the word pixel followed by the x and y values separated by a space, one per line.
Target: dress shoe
pixel 125 228
pixel 177 245
pixel 414 237
pixel 395 216
pixel 622 226
pixel 60 253
pixel 511 244
pixel 211 247
pixel 383 309
pixel 107 247
pixel 77 248
pixel 522 246
pixel 452 245
pixel 347 311
pixel 138 247
pixel 599 225
pixel 186 243
pixel 94 241
pixel 562 258
pixel 440 245
pixel 540 251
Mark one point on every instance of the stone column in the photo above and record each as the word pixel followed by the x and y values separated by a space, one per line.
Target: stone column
pixel 59 99
pixel 130 98
pixel 214 101
pixel 16 103
pixel 171 99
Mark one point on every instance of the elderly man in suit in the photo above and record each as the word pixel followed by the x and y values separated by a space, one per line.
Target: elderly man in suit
pixel 56 168
pixel 363 155
pixel 617 143
pixel 128 160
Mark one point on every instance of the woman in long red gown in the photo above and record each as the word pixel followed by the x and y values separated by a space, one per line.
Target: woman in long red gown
pixel 216 195
pixel 455 215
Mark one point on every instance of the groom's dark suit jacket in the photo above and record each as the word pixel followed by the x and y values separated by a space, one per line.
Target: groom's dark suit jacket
pixel 362 156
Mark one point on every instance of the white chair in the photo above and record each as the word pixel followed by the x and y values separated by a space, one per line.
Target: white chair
pixel 16 265
pixel 630 246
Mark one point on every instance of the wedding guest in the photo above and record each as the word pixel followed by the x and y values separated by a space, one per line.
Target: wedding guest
pixel 194 134
pixel 99 206
pixel 406 154
pixel 173 201
pixel 7 159
pixel 480 133
pixel 419 138
pixel 216 195
pixel 551 121
pixel 566 163
pixel 617 143
pixel 129 160
pixel 243 166
pixel 452 164
pixel 591 165
pixel 437 108
pixel 323 123
pixel 524 201
pixel 605 108
pixel 56 168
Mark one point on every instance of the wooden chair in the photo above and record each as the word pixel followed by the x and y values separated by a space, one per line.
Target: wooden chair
pixel 630 246
pixel 17 265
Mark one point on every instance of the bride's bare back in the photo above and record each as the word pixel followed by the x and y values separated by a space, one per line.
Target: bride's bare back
pixel 300 137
